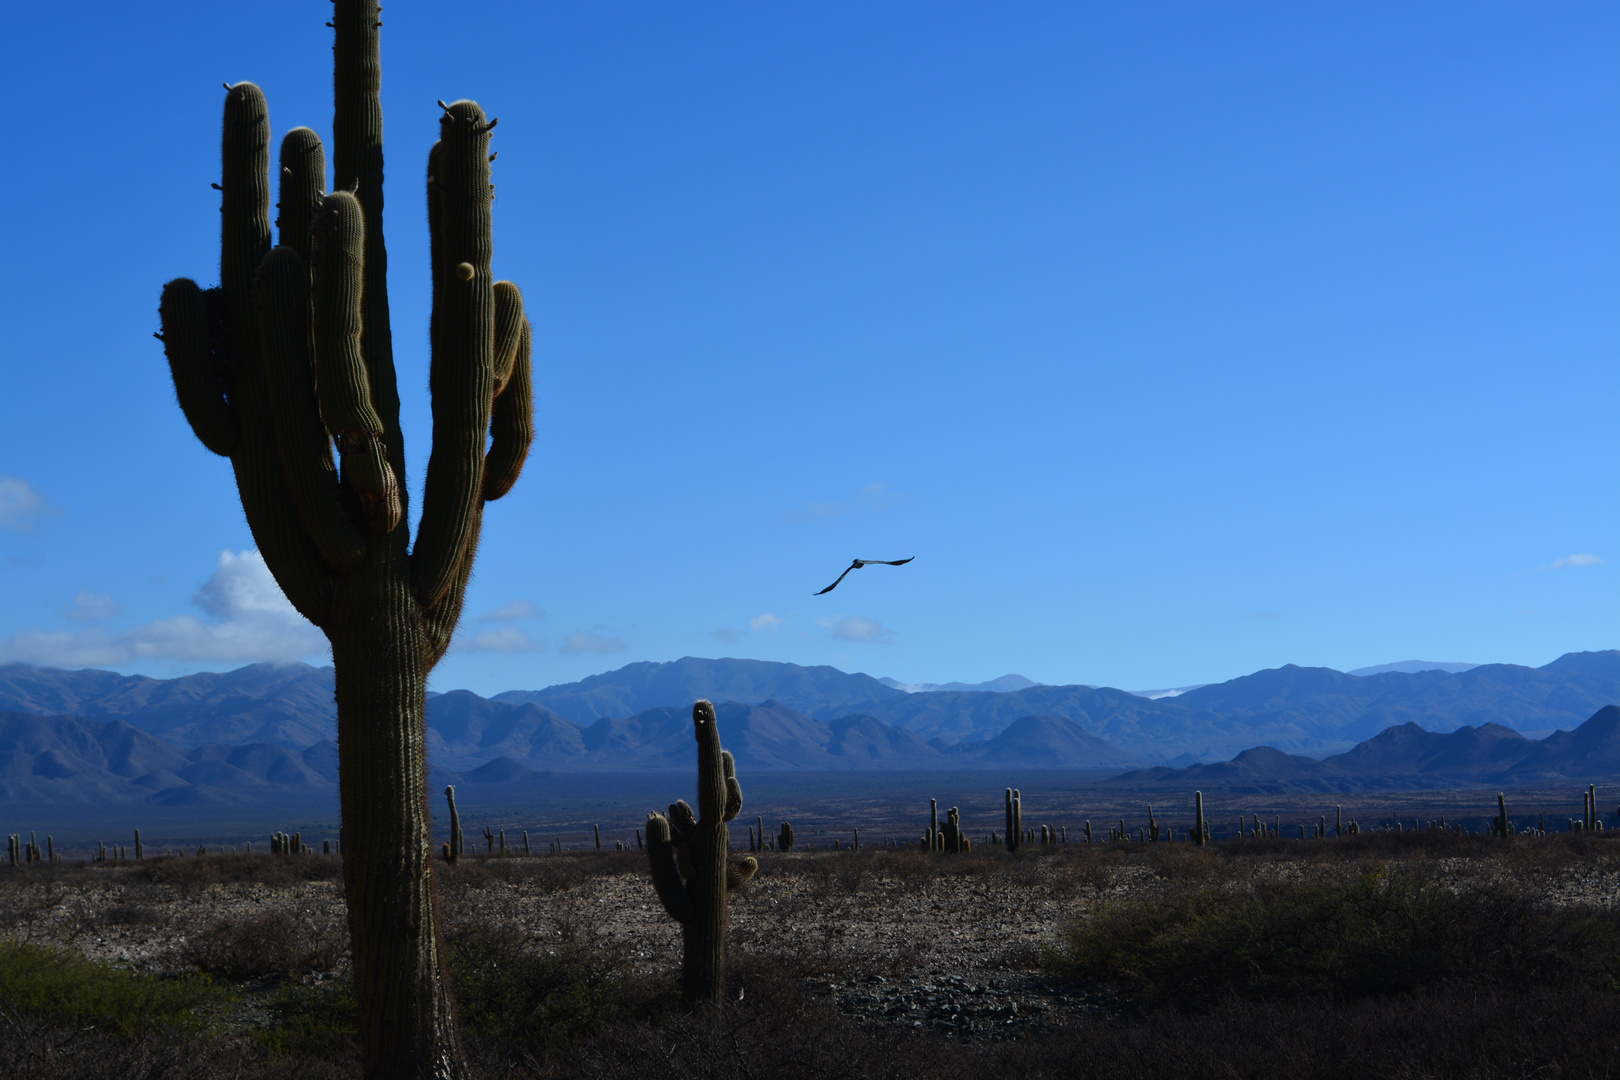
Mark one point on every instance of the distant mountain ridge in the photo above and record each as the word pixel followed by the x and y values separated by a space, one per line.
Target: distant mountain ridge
pixel 1406 758
pixel 602 722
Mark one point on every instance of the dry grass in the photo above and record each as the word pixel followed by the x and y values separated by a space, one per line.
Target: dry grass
pixel 565 965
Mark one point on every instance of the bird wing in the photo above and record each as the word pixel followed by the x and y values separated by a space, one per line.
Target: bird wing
pixel 888 562
pixel 841 577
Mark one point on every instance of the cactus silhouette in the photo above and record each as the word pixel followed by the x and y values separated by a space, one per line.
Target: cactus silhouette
pixel 291 354
pixel 452 850
pixel 692 868
pixel 784 839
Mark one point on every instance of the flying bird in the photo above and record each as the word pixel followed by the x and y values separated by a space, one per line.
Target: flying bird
pixel 857 564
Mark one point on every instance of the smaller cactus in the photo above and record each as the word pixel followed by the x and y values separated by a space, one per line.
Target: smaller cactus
pixel 784 839
pixel 1503 828
pixel 503 842
pixel 140 852
pixel 489 839
pixel 526 842
pixel 1202 825
pixel 598 831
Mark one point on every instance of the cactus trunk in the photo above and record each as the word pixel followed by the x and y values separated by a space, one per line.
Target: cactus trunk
pixel 407 1024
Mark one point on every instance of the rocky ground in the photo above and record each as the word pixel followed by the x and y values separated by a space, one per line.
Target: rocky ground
pixel 891 938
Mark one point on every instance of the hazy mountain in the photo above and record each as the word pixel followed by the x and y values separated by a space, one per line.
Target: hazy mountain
pixel 1410 667
pixel 637 717
pixel 636 688
pixel 1407 757
pixel 1313 708
pixel 996 686
pixel 290 705
pixel 1042 742
pixel 65 759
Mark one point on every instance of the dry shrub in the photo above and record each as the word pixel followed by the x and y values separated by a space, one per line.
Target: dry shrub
pixel 265 945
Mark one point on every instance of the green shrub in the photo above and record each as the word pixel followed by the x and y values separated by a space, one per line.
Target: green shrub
pixel 312 1019
pixel 1375 935
pixel 509 992
pixel 62 985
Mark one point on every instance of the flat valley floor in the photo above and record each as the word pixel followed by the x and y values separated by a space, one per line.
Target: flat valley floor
pixel 1108 959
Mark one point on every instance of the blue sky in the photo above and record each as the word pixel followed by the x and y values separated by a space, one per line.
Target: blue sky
pixel 1174 342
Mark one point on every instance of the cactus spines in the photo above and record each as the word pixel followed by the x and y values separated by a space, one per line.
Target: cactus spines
pixel 1202 826
pixel 452 850
pixel 692 867
pixel 784 839
pixel 293 354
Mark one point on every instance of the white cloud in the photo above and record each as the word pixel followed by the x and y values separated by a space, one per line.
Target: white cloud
pixel 89 605
pixel 587 642
pixel 725 634
pixel 764 621
pixel 854 628
pixel 508 639
pixel 873 498
pixel 1576 560
pixel 517 609
pixel 252 621
pixel 21 506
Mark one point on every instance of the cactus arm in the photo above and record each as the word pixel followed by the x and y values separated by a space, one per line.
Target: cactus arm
pixel 357 162
pixel 512 419
pixel 303 182
pixel 666 877
pixel 463 333
pixel 344 386
pixel 440 620
pixel 733 789
pixel 301 442
pixel 244 210
pixel 740 872
pixel 184 314
pixel 244 239
pixel 509 323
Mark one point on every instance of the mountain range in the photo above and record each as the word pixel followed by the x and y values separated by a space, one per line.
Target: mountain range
pixel 1408 758
pixel 105 733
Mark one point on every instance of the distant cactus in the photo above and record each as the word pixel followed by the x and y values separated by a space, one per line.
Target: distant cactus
pixel 1202 826
pixel 452 850
pixel 1015 820
pixel 489 839
pixel 598 831
pixel 140 852
pixel 526 842
pixel 692 868
pixel 1503 828
pixel 1338 821
pixel 784 839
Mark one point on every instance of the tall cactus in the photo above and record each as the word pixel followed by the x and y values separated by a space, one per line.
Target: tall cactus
pixel 452 850
pixel 692 868
pixel 784 839
pixel 293 354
